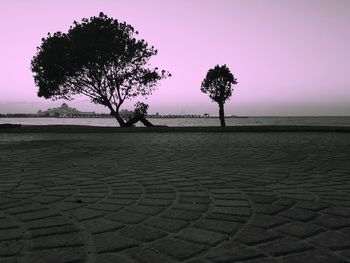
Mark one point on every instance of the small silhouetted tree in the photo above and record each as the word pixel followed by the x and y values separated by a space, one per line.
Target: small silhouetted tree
pixel 139 114
pixel 218 84
pixel 99 58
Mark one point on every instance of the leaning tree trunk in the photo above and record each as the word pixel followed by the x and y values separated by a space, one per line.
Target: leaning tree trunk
pixel 146 122
pixel 119 119
pixel 132 121
pixel 137 118
pixel 222 114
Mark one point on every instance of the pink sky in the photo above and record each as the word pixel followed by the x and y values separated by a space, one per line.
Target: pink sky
pixel 290 57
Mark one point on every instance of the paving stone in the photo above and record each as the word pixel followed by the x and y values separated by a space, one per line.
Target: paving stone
pixel 95 193
pixel 269 209
pixel 15 204
pixel 262 198
pixel 118 201
pixel 299 229
pixel 10 247
pixel 57 255
pixel 239 211
pixel 312 256
pixel 85 213
pixel 217 225
pixel 254 235
pixel 99 225
pixel 6 223
pixel 9 234
pixel 224 191
pixel 337 202
pixel 332 222
pixel 264 260
pixel 53 231
pixel 19 195
pixel 181 214
pixel 155 190
pixel 299 214
pixel 235 196
pixel 194 200
pixel 314 206
pixel 192 207
pixel 113 258
pixel 146 209
pixel 82 200
pixel 47 199
pixel 332 240
pixel 167 224
pixel 145 255
pixel 233 252
pixel 267 221
pixel 155 202
pixel 112 242
pixel 30 216
pixel 285 201
pixel 30 207
pixel 5 200
pixel 283 247
pixel 299 196
pixel 65 206
pixel 345 253
pixel 345 230
pixel 201 236
pixel 338 211
pixel 179 249
pixel 58 240
pixel 67 192
pixel 198 260
pixel 188 188
pixel 9 260
pixel 105 207
pixel 125 196
pixel 126 217
pixel 170 196
pixel 47 222
pixel 234 203
pixel 226 217
pixel 142 233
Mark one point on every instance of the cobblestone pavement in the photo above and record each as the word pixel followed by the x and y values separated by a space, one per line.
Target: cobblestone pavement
pixel 170 197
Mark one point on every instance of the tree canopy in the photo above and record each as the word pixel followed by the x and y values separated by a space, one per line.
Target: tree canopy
pixel 218 84
pixel 98 57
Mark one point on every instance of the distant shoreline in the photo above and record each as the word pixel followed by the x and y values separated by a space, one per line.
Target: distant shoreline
pixel 6 116
pixel 111 117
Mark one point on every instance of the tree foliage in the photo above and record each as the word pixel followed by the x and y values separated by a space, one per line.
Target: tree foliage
pixel 218 83
pixel 98 57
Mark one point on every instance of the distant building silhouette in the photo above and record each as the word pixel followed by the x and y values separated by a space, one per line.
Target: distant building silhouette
pixel 63 111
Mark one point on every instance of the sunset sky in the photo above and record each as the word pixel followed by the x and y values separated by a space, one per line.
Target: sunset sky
pixel 291 57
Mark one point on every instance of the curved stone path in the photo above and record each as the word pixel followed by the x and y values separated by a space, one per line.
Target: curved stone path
pixel 175 197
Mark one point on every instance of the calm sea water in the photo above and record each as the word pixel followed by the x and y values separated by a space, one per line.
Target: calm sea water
pixel 344 121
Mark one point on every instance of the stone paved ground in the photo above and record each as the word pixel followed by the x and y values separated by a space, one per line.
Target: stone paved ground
pixel 170 197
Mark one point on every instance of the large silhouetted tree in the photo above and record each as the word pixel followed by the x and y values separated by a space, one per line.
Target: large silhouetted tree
pixel 218 84
pixel 100 58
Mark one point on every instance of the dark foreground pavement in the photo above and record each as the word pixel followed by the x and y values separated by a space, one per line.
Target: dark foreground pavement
pixel 170 197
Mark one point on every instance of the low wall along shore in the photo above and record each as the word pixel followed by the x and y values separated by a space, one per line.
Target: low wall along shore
pixel 95 129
